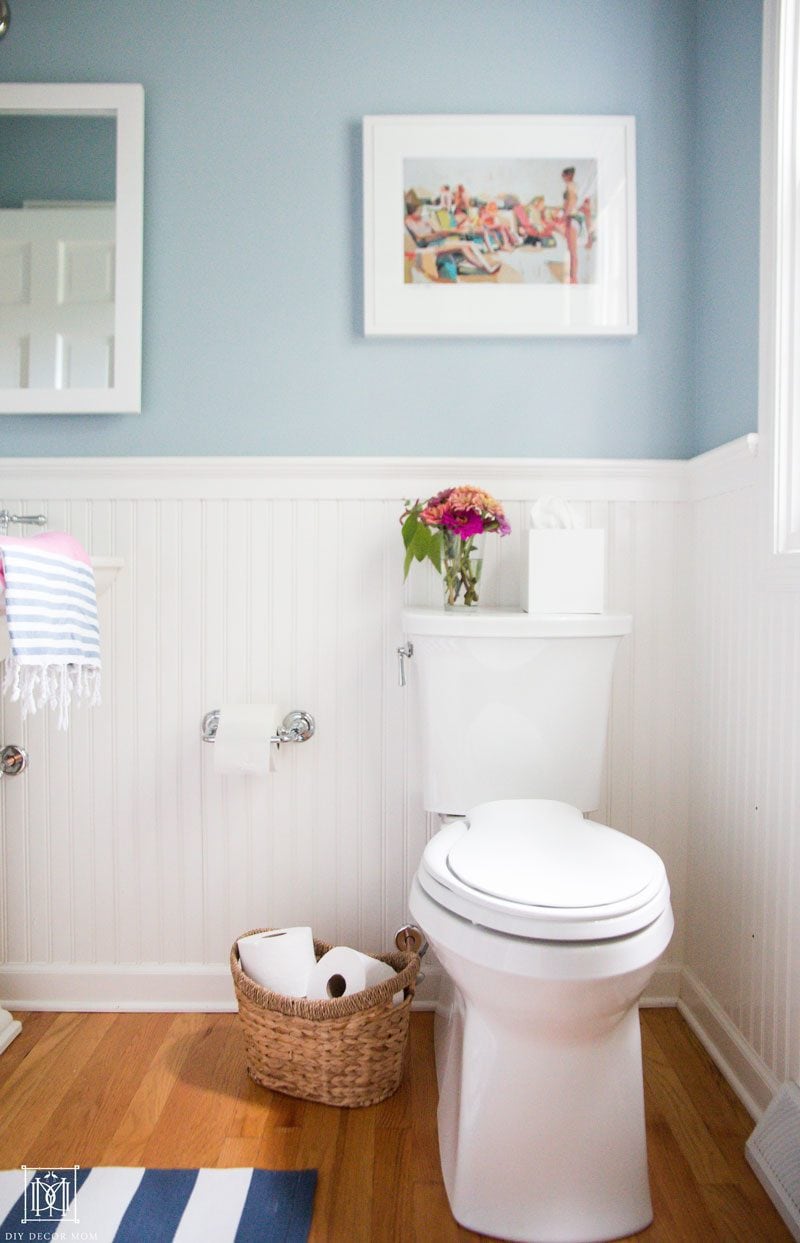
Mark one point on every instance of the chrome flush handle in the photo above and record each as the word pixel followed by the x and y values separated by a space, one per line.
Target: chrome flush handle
pixel 403 654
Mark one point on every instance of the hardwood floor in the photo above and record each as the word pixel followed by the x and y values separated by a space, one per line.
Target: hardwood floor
pixel 171 1090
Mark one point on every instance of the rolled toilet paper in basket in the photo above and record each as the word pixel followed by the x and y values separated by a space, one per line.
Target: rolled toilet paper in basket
pixel 343 971
pixel 280 959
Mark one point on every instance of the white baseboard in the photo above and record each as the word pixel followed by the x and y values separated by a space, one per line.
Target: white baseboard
pixel 169 987
pixel 195 987
pixel 664 988
pixel 746 1072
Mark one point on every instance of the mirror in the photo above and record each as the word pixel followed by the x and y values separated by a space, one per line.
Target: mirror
pixel 71 248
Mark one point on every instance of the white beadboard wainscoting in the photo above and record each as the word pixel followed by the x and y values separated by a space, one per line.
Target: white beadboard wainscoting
pixel 128 866
pixel 741 982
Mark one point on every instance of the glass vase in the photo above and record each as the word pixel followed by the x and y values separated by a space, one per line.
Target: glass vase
pixel 462 563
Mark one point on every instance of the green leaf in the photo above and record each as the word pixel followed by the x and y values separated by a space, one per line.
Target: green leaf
pixel 421 543
pixel 409 527
pixel 435 550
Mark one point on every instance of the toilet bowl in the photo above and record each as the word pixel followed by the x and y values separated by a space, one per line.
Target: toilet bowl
pixel 548 927
pixel 541 1118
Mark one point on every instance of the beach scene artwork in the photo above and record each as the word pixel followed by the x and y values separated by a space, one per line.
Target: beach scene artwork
pixel 520 221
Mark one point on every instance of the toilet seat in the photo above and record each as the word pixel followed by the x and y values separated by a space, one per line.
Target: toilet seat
pixel 537 869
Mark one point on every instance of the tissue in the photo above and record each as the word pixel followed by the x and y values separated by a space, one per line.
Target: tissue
pixel 241 744
pixel 343 971
pixel 551 513
pixel 564 565
pixel 281 959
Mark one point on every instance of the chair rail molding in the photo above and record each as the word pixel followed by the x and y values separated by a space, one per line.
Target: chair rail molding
pixel 340 478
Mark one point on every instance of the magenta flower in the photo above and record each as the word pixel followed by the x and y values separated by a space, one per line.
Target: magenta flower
pixel 467 522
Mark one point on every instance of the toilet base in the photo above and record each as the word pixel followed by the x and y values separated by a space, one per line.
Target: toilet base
pixel 541 1104
pixel 543 1142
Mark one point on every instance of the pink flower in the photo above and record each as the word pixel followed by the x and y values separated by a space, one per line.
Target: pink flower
pixel 466 509
pixel 467 522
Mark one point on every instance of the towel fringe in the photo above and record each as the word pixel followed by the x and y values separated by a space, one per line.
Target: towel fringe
pixel 37 686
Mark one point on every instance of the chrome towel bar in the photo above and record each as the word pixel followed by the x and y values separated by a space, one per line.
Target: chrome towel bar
pixel 6 517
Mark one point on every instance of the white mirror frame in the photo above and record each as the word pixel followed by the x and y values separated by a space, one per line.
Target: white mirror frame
pixel 126 103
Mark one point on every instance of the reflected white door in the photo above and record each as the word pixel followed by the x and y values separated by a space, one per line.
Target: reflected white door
pixel 57 297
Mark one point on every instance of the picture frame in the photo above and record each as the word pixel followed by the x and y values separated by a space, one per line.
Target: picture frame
pixel 500 226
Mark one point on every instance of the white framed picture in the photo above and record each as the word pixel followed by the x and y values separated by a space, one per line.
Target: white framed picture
pixel 499 226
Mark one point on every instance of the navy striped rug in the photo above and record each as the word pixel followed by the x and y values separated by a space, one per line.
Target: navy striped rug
pixel 117 1205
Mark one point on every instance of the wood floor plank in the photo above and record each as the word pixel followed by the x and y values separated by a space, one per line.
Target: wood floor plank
pixel 731 1211
pixel 726 1118
pixel 31 1097
pixel 351 1202
pixel 723 1113
pixel 101 1092
pixel 190 1120
pixel 678 1206
pixel 319 1140
pixel 134 1128
pixel 432 1218
pixel 279 1149
pixel 173 1090
pixel 392 1185
pixel 667 1094
pixel 424 1095
pixel 34 1025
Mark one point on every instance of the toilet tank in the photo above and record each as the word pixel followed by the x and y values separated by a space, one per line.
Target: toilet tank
pixel 511 704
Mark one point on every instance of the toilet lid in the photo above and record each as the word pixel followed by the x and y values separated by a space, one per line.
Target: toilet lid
pixel 536 868
pixel 544 853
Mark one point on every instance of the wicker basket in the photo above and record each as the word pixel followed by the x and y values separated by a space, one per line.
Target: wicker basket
pixel 348 1051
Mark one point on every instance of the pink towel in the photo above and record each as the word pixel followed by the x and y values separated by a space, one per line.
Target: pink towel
pixel 51 541
pixel 51 611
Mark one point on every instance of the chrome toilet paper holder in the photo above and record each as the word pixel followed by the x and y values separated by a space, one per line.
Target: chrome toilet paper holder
pixel 296 726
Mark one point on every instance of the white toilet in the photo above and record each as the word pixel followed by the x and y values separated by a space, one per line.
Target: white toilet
pixel 548 926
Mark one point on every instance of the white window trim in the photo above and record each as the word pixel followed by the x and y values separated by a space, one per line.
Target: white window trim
pixel 779 383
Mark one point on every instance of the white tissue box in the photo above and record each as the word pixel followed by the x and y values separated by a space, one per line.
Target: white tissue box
pixel 565 572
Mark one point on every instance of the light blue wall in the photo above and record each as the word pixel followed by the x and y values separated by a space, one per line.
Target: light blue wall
pixel 726 194
pixel 253 269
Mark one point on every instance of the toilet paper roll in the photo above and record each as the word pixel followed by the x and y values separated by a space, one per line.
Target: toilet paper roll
pixel 343 971
pixel 281 959
pixel 242 741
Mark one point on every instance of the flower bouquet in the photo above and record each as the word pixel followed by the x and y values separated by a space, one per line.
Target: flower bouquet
pixel 448 530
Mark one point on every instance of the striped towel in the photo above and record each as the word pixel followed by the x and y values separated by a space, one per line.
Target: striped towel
pixel 118 1205
pixel 51 610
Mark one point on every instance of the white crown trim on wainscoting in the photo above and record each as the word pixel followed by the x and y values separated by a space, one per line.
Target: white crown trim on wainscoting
pixel 369 478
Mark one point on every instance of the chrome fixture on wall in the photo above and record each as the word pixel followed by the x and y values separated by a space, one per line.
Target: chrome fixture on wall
pixel 5 17
pixel 13 761
pixel 6 517
pixel 297 726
